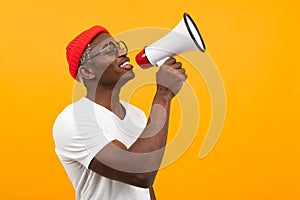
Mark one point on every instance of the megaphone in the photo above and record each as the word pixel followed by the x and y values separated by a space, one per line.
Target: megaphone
pixel 184 37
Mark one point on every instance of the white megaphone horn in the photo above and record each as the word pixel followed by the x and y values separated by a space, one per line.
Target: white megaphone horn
pixel 184 37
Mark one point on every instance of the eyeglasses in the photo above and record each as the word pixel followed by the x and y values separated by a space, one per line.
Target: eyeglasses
pixel 109 49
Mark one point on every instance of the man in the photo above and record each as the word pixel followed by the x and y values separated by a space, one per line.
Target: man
pixel 107 146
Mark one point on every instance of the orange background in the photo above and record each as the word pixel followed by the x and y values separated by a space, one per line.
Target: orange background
pixel 255 46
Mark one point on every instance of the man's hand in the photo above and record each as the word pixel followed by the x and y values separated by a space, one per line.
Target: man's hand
pixel 170 77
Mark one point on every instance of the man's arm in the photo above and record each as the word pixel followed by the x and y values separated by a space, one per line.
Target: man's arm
pixel 139 164
pixel 152 194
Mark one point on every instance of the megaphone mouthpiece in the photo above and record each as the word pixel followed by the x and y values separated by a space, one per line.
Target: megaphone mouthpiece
pixel 142 60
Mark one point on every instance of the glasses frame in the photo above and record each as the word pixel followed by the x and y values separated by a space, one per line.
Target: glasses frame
pixel 116 49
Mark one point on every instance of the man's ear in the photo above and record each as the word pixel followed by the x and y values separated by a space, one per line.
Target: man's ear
pixel 86 72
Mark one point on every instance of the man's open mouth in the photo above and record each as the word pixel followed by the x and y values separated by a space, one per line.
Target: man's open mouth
pixel 125 64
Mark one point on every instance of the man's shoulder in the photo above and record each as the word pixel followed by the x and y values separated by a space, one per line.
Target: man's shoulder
pixel 65 120
pixel 77 106
pixel 67 111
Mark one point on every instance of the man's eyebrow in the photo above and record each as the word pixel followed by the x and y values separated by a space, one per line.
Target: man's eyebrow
pixel 106 45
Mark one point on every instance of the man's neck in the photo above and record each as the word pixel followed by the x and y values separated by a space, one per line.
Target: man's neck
pixel 108 97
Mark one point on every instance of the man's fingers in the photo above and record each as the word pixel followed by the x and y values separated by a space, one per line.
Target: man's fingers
pixel 177 65
pixel 185 76
pixel 182 74
pixel 170 61
pixel 173 64
pixel 181 70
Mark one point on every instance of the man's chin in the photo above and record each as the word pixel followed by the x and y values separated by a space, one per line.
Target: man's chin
pixel 129 75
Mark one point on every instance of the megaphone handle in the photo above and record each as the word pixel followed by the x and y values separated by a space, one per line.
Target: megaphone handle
pixel 162 61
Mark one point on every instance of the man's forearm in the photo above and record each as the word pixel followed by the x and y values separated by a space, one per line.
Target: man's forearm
pixel 154 136
pixel 151 144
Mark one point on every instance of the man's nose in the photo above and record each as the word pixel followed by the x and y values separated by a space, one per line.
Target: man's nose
pixel 122 52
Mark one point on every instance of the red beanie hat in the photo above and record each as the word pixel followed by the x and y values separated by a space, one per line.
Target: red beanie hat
pixel 77 46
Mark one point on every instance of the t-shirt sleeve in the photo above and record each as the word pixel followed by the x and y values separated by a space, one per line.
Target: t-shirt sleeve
pixel 78 136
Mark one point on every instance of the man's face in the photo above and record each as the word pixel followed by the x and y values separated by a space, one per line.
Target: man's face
pixel 110 63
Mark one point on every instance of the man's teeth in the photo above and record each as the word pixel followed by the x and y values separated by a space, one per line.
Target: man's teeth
pixel 124 64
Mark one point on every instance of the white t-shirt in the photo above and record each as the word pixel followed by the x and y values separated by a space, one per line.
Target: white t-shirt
pixel 80 131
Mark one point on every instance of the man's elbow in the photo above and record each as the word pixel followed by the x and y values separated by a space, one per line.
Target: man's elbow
pixel 144 180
